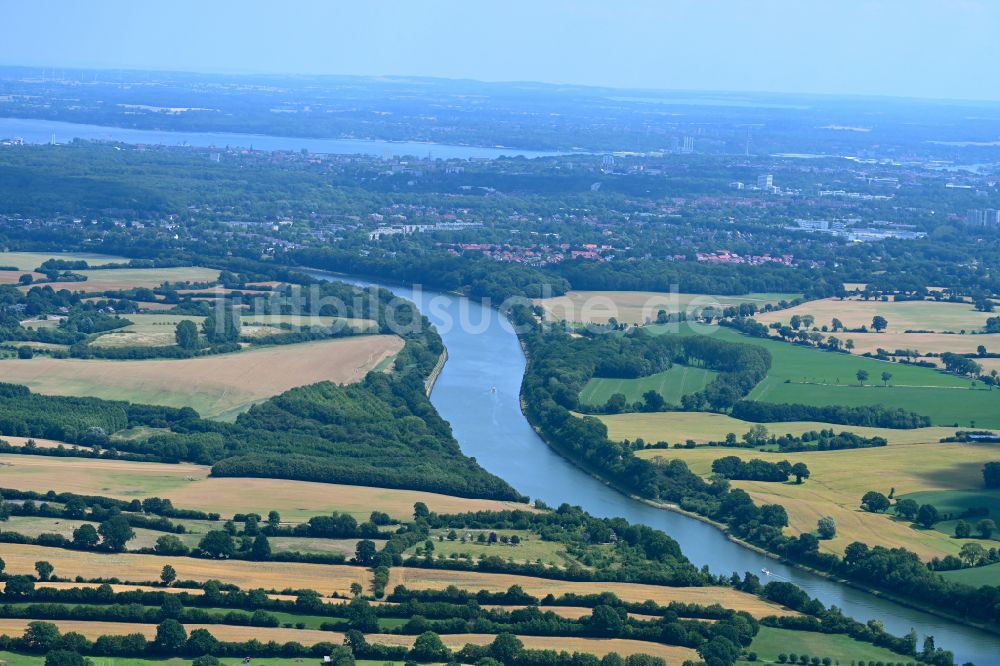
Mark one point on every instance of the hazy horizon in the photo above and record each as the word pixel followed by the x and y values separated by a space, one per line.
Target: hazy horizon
pixel 863 48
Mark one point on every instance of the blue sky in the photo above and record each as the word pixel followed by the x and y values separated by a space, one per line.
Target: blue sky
pixel 909 48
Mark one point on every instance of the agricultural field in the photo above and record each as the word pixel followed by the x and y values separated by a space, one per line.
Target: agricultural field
pixel 672 384
pixel 145 538
pixel 530 549
pixel 840 478
pixel 14 277
pixel 114 279
pixel 157 330
pixel 435 579
pixel 190 486
pixel 901 315
pixel 146 330
pixel 640 307
pixel 924 343
pixel 219 386
pixel 597 647
pixel 806 375
pixel 772 641
pixel 326 579
pixel 26 261
pixel 701 427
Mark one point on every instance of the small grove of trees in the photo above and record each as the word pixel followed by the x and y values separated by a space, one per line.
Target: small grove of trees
pixel 991 474
pixel 826 527
pixel 186 334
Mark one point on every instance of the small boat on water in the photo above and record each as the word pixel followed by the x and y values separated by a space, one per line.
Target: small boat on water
pixel 493 390
pixel 766 572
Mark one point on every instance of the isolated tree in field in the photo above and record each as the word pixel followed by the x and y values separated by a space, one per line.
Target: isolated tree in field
pixel 116 533
pixel 886 376
pixel 652 401
pixel 170 636
pixel 972 553
pixel 44 570
pixel 874 501
pixel 26 279
pixel 927 515
pixel 168 575
pixel 826 527
pixel 365 552
pixel 962 530
pixel 75 508
pixel 85 536
pixel 420 510
pixel 795 322
pixel 261 549
pixel 757 435
pixel 605 621
pixel 273 519
pixel 218 544
pixel 849 344
pixel 986 527
pixel 186 334
pixel 981 350
pixel 862 376
pixel 800 471
pixel 836 324
pixel 906 509
pixel 991 474
pixel 879 323
pixel 41 636
pixel 506 648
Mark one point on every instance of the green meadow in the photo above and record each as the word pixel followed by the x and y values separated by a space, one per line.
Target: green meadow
pixel 811 376
pixel 679 380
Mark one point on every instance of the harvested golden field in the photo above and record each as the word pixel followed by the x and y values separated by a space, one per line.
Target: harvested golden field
pixel 112 279
pixel 132 567
pixel 840 478
pixel 901 316
pixel 639 307
pixel 40 443
pixel 217 386
pixel 678 427
pixel 14 277
pixel 25 261
pixel 925 343
pixel 189 486
pixel 595 646
pixel 433 579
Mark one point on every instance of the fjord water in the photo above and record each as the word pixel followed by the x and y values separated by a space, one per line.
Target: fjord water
pixel 33 130
pixel 484 354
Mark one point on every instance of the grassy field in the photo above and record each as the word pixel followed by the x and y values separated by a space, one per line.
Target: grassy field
pixel 901 316
pixel 975 577
pixel 807 375
pixel 431 579
pixel 26 261
pixel 640 307
pixel 840 478
pixel 130 278
pixel 219 386
pixel 678 427
pixel 530 549
pixel 679 380
pixel 133 567
pixel 772 641
pixel 189 486
pixel 14 277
